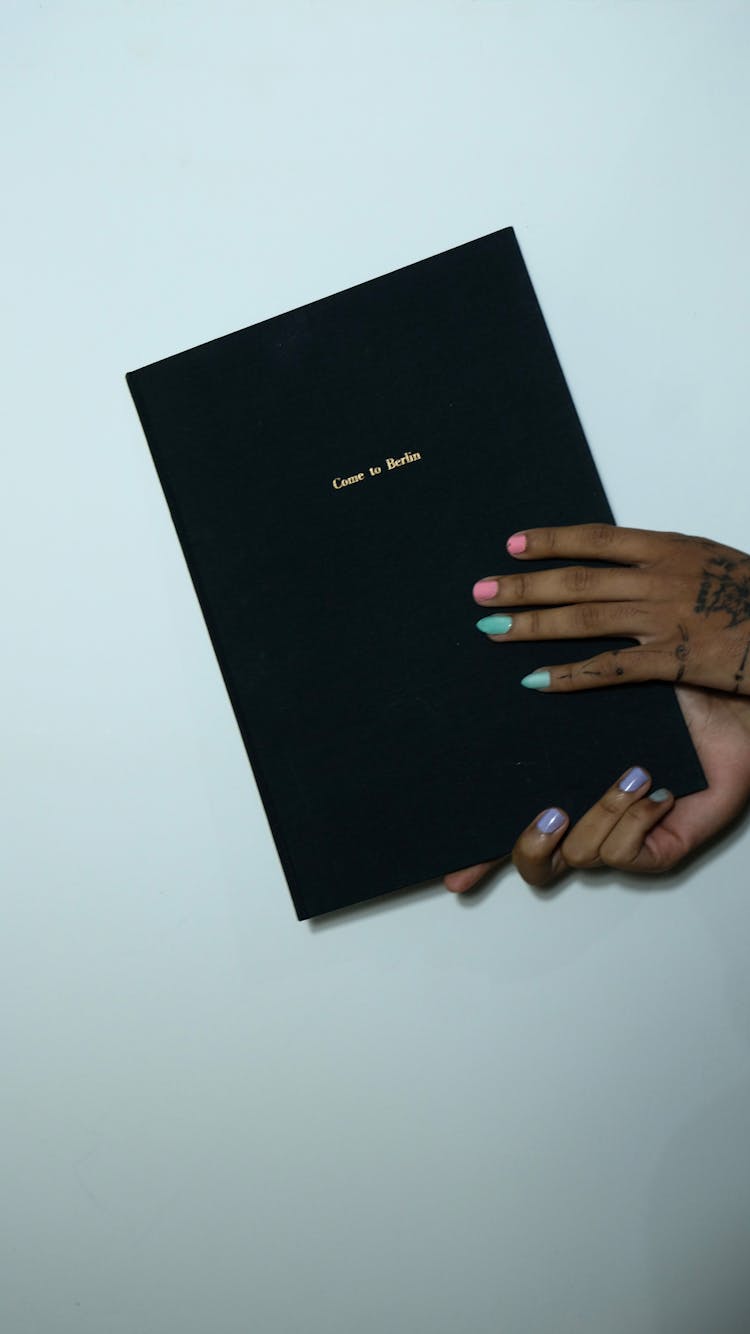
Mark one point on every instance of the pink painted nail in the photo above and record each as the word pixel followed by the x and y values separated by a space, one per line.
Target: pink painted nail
pixel 485 588
pixel 516 544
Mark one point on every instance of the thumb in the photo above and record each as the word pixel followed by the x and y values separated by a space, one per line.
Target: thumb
pixel 536 854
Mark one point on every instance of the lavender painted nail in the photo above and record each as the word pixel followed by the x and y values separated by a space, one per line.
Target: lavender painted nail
pixel 550 821
pixel 633 779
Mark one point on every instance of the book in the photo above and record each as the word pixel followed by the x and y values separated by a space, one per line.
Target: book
pixel 339 475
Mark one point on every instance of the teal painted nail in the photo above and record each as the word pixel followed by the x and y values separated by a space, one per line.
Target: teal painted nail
pixel 661 794
pixel 495 625
pixel 537 680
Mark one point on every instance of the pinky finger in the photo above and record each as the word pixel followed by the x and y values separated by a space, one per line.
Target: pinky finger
pixel 536 855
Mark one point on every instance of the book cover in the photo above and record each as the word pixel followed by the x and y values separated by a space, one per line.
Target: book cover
pixel 338 476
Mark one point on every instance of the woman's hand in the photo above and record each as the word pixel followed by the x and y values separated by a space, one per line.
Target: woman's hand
pixel 633 827
pixel 686 601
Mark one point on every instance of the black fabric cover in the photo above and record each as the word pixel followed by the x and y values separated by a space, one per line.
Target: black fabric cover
pixel 390 740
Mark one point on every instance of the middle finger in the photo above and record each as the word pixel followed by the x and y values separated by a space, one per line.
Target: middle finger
pixel 582 621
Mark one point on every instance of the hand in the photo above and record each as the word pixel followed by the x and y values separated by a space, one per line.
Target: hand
pixel 686 601
pixel 631 830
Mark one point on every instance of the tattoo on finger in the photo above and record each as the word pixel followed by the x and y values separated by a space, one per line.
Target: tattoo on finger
pixel 682 652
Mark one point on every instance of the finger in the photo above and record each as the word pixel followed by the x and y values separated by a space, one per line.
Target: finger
pixel 536 854
pixel 690 822
pixel 576 583
pixel 459 881
pixel 589 541
pixel 582 847
pixel 588 620
pixel 624 846
pixel 616 667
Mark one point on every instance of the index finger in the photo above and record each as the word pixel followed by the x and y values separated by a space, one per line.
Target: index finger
pixel 588 541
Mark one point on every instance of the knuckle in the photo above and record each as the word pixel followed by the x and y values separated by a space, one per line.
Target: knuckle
pixel 578 579
pixel 529 864
pixel 576 861
pixel 588 616
pixel 661 665
pixel 534 625
pixel 611 803
pixel 533 876
pixel 613 665
pixel 608 858
pixel 527 851
pixel 520 587
pixel 576 856
pixel 669 862
pixel 602 533
pixel 636 817
pixel 610 577
pixel 672 856
pixel 616 861
pixel 676 587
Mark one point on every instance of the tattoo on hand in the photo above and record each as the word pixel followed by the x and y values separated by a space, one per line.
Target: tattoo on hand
pixel 739 676
pixel 682 652
pixel 725 587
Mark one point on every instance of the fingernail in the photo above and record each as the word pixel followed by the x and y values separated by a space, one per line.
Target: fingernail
pixel 495 625
pixel 516 544
pixel 550 820
pixel 633 779
pixel 536 680
pixel 485 588
pixel 661 794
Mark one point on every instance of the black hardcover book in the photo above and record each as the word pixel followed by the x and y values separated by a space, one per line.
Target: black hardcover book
pixel 339 476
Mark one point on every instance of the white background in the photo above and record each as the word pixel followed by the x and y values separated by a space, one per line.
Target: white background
pixel 497 1115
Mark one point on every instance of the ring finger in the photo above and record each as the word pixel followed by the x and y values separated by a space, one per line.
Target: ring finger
pixel 624 847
